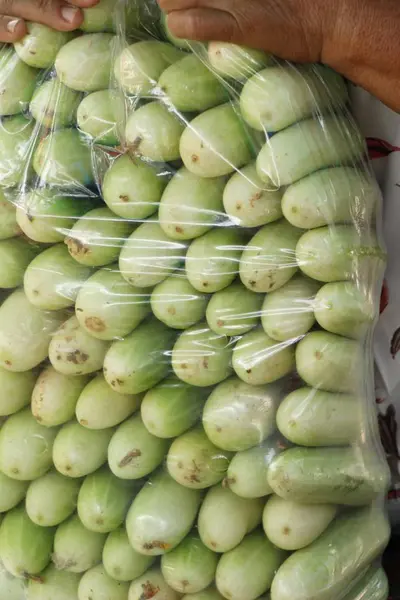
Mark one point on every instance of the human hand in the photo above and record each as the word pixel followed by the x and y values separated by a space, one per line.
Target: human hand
pixel 291 29
pixel 54 13
pixel 358 38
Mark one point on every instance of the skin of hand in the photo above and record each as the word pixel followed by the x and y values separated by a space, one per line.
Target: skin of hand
pixel 358 38
pixel 58 14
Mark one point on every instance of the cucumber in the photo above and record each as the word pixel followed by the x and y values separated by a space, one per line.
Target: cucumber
pixel 149 256
pixel 238 416
pixel 161 515
pixel 292 526
pixel 104 500
pixel 191 205
pixel 330 362
pixel 189 86
pixel 54 105
pixel 15 589
pixel 211 593
pixel 96 238
pixel 108 307
pixel 76 549
pixel 308 146
pixel 331 564
pixel 40 46
pixel 53 279
pixel 248 202
pixel 177 303
pixel 234 310
pixel 25 548
pixel 53 583
pixel 335 254
pixel 373 586
pixel 344 309
pixel 153 132
pixel 9 227
pixel 84 63
pixel 236 62
pixel 18 82
pixel 99 407
pixel 248 571
pixel 225 519
pixel 288 312
pixel 327 475
pixel 190 567
pixel 339 195
pixel 73 351
pixel 172 407
pixel 141 360
pixel 25 447
pixel 97 585
pixel 78 451
pixel 281 95
pixel 15 256
pixel 216 143
pixel 99 18
pixel 120 560
pixel 309 417
pixel 47 216
pixel 132 189
pixel 201 357
pixel 133 452
pixel 152 584
pixel 16 390
pixel 25 332
pixel 212 261
pixel 51 499
pixel 258 360
pixel 63 158
pixel 16 135
pixel 195 462
pixel 96 117
pixel 268 262
pixel 248 470
pixel 138 67
pixel 12 492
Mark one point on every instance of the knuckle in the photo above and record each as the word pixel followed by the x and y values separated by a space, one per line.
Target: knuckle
pixel 6 6
pixel 43 5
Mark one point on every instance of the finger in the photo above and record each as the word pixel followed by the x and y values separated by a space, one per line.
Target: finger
pixel 203 24
pixel 54 13
pixel 11 29
pixel 178 5
pixel 84 3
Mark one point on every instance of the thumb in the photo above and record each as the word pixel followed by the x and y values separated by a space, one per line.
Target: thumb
pixel 204 24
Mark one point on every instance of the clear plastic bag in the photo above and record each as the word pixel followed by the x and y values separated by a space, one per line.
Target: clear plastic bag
pixel 190 265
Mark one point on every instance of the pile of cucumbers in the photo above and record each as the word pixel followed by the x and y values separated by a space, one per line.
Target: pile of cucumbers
pixel 188 277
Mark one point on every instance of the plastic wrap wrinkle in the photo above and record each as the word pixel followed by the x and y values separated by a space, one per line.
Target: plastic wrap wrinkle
pixel 190 269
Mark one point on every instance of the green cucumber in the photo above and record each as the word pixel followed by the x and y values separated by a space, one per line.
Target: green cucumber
pixel 331 564
pixel 330 362
pixel 268 261
pixel 161 515
pixel 195 462
pixel 238 416
pixel 310 417
pixel 225 519
pixel 292 526
pixel 328 475
pixel 288 312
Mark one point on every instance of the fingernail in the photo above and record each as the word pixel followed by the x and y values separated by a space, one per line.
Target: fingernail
pixel 69 13
pixel 12 25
